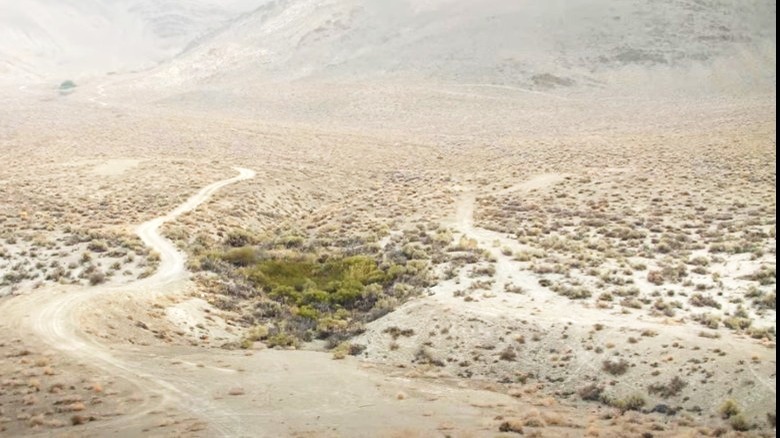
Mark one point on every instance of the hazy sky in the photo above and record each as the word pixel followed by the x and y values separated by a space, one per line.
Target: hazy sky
pixel 61 37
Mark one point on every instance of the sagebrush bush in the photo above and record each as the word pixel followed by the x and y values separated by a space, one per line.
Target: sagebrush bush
pixel 631 403
pixel 729 409
pixel 739 423
pixel 97 277
pixel 616 368
pixel 591 392
pixel 670 389
pixel 699 300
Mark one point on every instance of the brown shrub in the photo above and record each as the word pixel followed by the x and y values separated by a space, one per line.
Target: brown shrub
pixel 615 368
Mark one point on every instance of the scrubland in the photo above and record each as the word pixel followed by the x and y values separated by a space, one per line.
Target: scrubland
pixel 605 282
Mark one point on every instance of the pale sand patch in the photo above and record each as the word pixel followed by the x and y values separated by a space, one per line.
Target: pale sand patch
pixel 540 181
pixel 192 316
pixel 115 167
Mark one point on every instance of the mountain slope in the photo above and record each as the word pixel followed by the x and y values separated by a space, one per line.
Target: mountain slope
pixel 539 44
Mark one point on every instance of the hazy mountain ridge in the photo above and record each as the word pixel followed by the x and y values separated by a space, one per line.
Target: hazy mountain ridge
pixel 545 46
pixel 45 39
pixel 554 45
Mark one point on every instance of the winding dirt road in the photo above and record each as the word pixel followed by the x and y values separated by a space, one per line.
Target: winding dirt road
pixel 235 393
pixel 55 320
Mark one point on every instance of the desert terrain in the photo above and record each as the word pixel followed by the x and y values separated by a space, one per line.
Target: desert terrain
pixel 388 218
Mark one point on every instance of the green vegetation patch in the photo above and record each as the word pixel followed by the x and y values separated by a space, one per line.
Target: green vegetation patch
pixel 320 294
pixel 332 283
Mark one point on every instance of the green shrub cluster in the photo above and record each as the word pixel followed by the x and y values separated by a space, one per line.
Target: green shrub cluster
pixel 302 295
pixel 326 286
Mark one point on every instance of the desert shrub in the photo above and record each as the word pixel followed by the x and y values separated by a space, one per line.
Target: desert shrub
pixel 741 312
pixel 282 339
pixel 670 389
pixel 291 241
pixel 616 368
pixel 768 301
pixel 324 295
pixel 356 349
pixel 513 426
pixel 655 277
pixel 244 256
pixel 739 423
pixel 762 333
pixel 57 273
pixel 485 271
pixel 663 306
pixel 675 273
pixel 626 292
pixel 341 351
pixel 98 245
pixel 631 302
pixel 238 238
pixel 256 333
pixel 321 285
pixel 572 293
pixel 396 332
pixel 699 300
pixel 15 276
pixel 508 354
pixel 708 319
pixel 97 277
pixel 764 276
pixel 513 288
pixel 631 403
pixel 67 85
pixel 729 409
pixel 345 348
pixel 246 343
pixel 699 261
pixel 307 312
pixel 534 420
pixel 737 323
pixel 424 356
pixel 591 392
pixel 338 282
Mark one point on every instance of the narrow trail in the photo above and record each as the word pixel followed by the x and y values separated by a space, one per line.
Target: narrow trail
pixel 546 305
pixel 55 320
pixel 171 266
pixel 281 392
pixel 509 270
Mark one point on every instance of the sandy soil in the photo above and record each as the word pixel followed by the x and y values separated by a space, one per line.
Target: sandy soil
pixel 562 328
pixel 298 393
pixel 542 191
